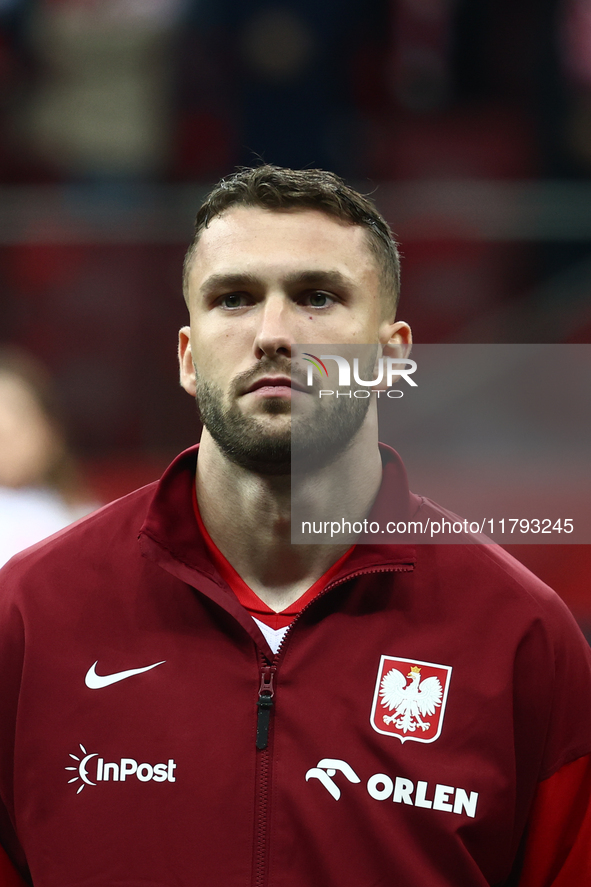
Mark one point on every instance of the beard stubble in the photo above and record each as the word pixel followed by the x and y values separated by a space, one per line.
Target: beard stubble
pixel 313 438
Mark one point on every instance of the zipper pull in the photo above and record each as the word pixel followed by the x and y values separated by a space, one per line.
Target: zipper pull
pixel 264 705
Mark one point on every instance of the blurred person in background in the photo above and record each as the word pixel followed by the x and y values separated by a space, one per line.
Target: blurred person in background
pixel 40 486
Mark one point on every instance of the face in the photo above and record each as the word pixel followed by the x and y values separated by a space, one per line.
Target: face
pixel 28 444
pixel 260 282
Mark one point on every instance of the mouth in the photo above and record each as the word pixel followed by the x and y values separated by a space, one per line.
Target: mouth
pixel 274 386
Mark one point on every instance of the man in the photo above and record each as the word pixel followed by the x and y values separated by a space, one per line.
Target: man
pixel 208 704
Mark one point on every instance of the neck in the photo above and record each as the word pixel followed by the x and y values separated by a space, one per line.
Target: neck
pixel 248 515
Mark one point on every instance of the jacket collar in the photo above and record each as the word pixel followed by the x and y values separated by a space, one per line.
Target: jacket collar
pixel 170 535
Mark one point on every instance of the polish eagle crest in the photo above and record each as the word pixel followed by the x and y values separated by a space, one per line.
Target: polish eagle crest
pixel 410 702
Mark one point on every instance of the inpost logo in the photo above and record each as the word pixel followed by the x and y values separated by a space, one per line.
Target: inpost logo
pixel 117 771
pixel 389 370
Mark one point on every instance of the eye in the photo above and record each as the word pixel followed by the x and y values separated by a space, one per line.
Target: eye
pixel 233 300
pixel 318 299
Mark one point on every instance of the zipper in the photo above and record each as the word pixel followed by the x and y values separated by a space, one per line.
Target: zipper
pixel 401 568
pixel 266 697
pixel 265 702
pixel 264 706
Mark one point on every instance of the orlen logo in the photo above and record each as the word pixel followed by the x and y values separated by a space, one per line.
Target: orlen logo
pixel 112 771
pixel 326 769
pixel 398 789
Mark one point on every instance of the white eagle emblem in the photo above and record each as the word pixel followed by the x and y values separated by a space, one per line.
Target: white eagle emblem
pixel 411 707
pixel 412 701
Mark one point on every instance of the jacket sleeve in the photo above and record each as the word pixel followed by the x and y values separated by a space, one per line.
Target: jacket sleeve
pixel 12 856
pixel 9 877
pixel 558 844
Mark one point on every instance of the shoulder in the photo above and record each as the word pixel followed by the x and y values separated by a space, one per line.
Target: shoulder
pixel 483 579
pixel 508 615
pixel 93 538
pixel 456 547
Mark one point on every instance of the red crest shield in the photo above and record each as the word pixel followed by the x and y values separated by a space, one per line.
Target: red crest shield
pixel 409 699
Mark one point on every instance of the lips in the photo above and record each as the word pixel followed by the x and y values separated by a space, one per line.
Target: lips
pixel 274 382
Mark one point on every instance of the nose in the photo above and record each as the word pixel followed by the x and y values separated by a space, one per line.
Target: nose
pixel 274 335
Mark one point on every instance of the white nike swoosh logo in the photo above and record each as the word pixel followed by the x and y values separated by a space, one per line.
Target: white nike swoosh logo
pixel 96 681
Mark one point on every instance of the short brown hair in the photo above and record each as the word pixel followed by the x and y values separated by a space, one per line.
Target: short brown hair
pixel 273 187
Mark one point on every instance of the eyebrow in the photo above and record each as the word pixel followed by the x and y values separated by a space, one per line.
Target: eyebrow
pixel 330 278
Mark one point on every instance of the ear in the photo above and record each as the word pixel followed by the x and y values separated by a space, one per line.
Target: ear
pixel 186 367
pixel 396 341
pixel 395 334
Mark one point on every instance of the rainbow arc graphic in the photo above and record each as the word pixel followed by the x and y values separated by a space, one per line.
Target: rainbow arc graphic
pixel 315 361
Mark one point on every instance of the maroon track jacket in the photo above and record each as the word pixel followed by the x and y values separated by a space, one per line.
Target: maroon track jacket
pixel 426 722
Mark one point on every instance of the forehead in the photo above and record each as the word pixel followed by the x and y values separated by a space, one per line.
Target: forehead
pixel 262 241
